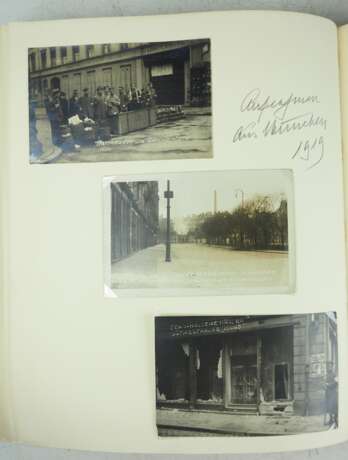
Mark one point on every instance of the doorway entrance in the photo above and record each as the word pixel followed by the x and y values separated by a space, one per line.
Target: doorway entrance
pixel 243 379
pixel 55 83
pixel 169 83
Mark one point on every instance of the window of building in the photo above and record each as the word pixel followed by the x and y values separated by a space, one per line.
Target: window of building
pixel 65 85
pixel 162 70
pixel 91 82
pixel 43 54
pixel 205 49
pixel 76 53
pixel 106 48
pixel 107 77
pixel 77 82
pixel 281 381
pixel 64 54
pixel 90 51
pixel 126 76
pixel 45 86
pixel 32 62
pixel 124 46
pixel 53 55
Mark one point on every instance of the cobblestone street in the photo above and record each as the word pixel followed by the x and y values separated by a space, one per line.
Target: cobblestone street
pixel 190 137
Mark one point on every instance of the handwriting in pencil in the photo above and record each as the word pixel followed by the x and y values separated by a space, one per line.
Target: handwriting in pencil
pixel 310 151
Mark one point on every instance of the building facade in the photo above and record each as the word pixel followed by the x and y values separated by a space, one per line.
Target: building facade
pixel 134 217
pixel 179 71
pixel 265 364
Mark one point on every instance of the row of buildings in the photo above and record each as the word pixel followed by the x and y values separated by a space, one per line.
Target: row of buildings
pixel 134 217
pixel 252 364
pixel 178 70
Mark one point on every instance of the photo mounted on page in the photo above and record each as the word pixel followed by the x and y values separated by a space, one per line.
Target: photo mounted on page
pixel 211 232
pixel 246 375
pixel 120 101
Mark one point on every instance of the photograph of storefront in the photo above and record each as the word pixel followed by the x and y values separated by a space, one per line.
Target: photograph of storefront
pixel 246 375
pixel 120 101
pixel 230 231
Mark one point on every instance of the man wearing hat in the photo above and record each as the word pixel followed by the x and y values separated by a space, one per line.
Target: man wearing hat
pixel 74 106
pixel 123 99
pixel 100 107
pixel 113 109
pixel 86 104
pixel 64 104
pixel 55 116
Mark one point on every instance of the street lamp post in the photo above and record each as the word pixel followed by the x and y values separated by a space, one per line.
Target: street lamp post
pixel 168 195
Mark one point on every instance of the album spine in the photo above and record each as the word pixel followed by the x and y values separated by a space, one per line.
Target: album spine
pixel 6 432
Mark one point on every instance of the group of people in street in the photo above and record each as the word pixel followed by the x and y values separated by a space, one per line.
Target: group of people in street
pixel 105 103
pixel 99 110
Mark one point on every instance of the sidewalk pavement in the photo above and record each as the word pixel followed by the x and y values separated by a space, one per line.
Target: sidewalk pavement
pixel 50 152
pixel 236 424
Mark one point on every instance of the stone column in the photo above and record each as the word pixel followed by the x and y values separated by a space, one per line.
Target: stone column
pixel 192 375
pixel 258 370
pixel 37 59
pixel 98 50
pixel 48 57
pixel 226 371
pixel 69 54
pixel 140 83
pixel 83 52
pixel 58 56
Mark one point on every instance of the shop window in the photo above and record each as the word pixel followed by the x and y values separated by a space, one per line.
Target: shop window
pixel 281 381
pixel 209 372
pixel 173 371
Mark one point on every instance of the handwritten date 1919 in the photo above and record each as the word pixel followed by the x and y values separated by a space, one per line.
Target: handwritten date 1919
pixel 311 151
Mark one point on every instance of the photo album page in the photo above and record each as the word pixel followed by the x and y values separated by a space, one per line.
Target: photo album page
pixel 173 247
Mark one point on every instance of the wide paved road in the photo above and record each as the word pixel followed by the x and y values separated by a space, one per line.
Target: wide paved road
pixel 202 266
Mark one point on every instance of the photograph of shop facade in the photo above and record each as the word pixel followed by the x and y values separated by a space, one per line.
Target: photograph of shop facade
pixel 246 375
pixel 120 101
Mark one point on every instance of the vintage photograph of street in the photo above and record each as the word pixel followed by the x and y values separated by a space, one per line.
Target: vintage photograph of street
pixel 120 102
pixel 246 375
pixel 221 232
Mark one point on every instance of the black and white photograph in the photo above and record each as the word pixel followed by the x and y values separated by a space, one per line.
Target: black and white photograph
pixel 200 231
pixel 120 102
pixel 246 375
